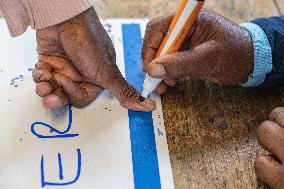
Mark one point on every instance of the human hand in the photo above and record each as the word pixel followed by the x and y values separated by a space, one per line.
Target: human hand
pixel 270 136
pixel 59 83
pixel 216 49
pixel 77 61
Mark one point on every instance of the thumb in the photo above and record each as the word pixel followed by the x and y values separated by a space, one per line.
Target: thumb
pixel 195 62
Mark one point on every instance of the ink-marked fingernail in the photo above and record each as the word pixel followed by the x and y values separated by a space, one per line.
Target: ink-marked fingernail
pixel 141 99
pixel 149 104
pixel 157 70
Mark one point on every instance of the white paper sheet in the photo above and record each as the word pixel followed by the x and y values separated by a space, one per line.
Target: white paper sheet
pixel 101 144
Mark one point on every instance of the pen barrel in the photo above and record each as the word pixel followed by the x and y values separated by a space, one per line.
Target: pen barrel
pixel 183 21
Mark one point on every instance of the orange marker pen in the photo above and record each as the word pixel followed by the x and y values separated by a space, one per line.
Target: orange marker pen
pixel 185 17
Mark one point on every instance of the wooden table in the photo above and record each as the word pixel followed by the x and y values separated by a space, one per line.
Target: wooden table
pixel 210 128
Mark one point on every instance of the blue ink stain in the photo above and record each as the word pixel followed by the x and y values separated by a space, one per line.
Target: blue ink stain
pixel 160 133
pixel 43 181
pixel 14 81
pixel 30 69
pixel 61 134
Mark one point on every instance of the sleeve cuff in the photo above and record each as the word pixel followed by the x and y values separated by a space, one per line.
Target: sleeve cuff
pixel 262 55
pixel 46 13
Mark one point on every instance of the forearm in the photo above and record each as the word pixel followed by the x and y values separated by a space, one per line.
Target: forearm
pixel 269 53
pixel 20 14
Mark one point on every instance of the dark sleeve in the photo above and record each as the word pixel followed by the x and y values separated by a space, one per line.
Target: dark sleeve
pixel 274 29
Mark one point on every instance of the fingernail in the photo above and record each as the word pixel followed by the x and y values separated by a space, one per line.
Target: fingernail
pixel 157 70
pixel 53 102
pixel 149 104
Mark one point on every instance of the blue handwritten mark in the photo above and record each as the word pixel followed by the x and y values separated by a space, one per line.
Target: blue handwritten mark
pixel 60 167
pixel 60 134
pixel 44 183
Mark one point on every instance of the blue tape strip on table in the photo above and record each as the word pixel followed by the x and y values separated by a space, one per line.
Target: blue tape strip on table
pixel 143 145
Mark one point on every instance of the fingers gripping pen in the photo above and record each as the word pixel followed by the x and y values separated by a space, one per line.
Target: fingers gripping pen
pixel 185 17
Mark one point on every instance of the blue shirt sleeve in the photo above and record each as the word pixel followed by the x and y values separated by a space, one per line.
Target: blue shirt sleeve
pixel 274 29
pixel 262 55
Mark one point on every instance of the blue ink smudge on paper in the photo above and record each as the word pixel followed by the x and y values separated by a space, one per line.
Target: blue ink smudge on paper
pixel 15 81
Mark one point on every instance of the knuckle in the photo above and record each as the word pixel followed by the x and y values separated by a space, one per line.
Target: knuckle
pixel 259 162
pixel 144 67
pixel 276 112
pixel 151 24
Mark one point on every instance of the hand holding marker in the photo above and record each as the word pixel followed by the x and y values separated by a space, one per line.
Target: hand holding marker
pixel 185 17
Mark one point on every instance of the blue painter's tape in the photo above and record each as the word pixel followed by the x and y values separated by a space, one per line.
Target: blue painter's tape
pixel 142 136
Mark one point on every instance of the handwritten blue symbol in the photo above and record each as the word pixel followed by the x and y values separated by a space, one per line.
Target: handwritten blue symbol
pixel 60 167
pixel 60 134
pixel 44 183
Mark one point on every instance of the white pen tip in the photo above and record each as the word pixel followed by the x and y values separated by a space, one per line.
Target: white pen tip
pixel 144 94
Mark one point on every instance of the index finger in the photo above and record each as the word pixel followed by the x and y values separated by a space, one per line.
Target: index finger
pixel 155 32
